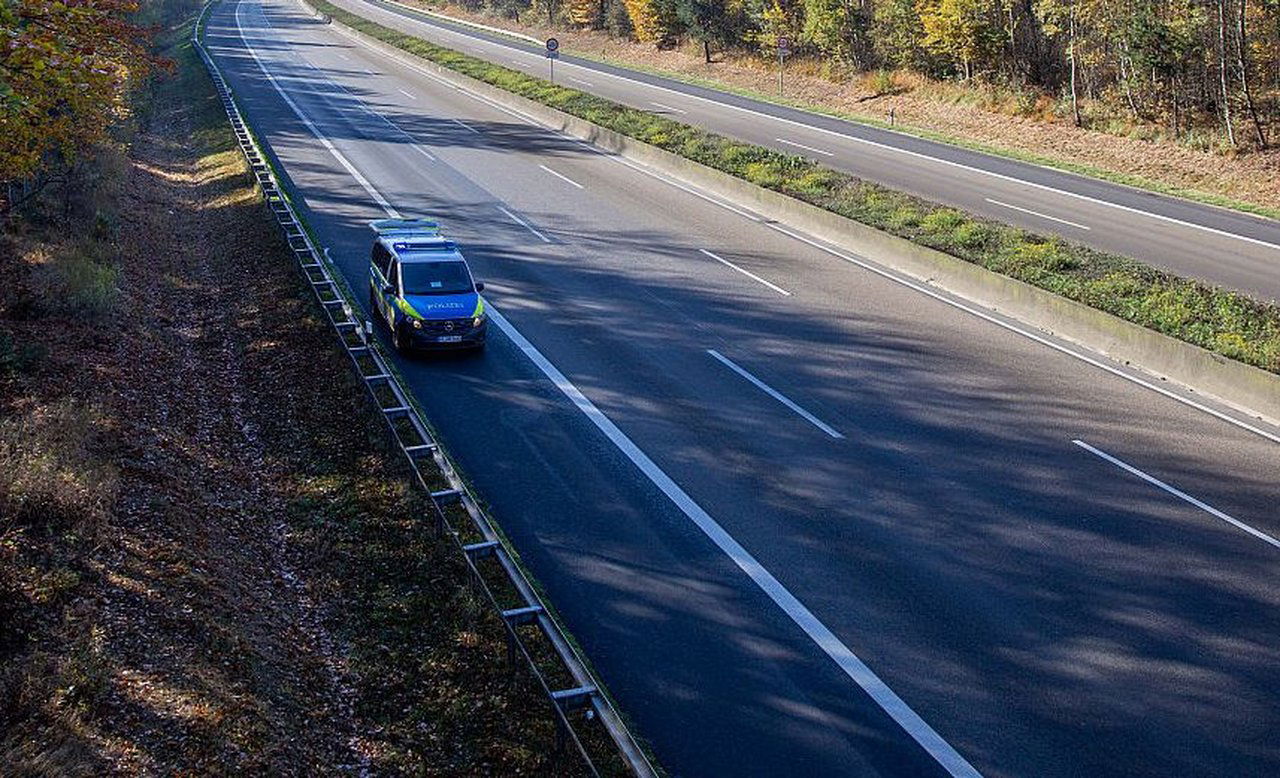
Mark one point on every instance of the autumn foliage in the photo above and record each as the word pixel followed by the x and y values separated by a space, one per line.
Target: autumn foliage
pixel 65 71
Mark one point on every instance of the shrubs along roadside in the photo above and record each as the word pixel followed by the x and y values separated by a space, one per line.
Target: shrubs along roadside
pixel 210 561
pixel 1228 323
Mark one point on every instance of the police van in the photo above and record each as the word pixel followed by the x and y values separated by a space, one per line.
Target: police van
pixel 422 289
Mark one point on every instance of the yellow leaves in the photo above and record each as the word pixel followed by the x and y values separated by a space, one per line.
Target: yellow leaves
pixel 66 70
pixel 584 13
pixel 646 21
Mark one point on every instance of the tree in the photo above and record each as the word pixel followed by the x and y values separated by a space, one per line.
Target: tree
pixel 777 19
pixel 1059 17
pixel 709 22
pixel 651 20
pixel 1242 66
pixel 898 34
pixel 958 29
pixel 65 69
pixel 586 13
pixel 839 29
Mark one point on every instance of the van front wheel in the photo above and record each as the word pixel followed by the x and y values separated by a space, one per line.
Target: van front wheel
pixel 400 339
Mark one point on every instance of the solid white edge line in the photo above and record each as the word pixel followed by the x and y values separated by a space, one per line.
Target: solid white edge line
pixel 806 148
pixel 361 105
pixel 774 393
pixel 562 177
pixel 855 668
pixel 888 700
pixel 581 81
pixel 974 310
pixel 1209 509
pixel 917 154
pixel 747 273
pixel 324 141
pixel 404 61
pixel 1035 213
pixel 845 257
pixel 466 23
pixel 524 224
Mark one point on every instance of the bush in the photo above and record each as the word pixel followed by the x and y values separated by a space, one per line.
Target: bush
pixel 49 477
pixel 76 282
pixel 18 357
pixel 1226 322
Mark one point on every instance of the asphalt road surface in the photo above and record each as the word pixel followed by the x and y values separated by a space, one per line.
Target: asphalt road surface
pixel 803 517
pixel 1227 248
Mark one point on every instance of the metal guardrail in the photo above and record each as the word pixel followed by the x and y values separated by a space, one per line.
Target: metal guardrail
pixel 411 433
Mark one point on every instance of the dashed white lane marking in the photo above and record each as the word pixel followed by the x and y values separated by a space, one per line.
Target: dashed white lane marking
pixel 524 224
pixel 806 148
pixel 747 273
pixel 562 177
pixel 1036 213
pixel 774 393
pixel 1181 495
pixel 668 107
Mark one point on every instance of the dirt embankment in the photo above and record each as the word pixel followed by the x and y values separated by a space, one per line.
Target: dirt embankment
pixel 208 563
pixel 971 115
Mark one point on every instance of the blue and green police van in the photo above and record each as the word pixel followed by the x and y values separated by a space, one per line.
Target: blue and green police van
pixel 421 288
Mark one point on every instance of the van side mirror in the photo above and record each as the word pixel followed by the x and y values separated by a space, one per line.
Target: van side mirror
pixel 388 289
pixel 479 286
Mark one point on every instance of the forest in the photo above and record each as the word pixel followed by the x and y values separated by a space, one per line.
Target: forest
pixel 1193 66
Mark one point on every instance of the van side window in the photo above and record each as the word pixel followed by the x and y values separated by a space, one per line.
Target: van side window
pixel 393 273
pixel 382 260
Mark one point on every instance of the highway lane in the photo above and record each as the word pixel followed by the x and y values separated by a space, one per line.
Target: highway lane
pixel 1228 248
pixel 1044 610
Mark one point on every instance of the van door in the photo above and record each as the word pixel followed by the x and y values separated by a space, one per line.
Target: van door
pixel 389 300
pixel 379 276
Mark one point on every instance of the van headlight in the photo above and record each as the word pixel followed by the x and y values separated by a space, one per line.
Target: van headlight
pixel 481 319
pixel 417 324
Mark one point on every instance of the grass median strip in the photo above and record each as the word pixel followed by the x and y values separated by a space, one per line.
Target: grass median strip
pixel 1225 322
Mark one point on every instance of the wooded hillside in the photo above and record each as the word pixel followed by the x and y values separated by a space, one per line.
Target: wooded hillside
pixel 1195 66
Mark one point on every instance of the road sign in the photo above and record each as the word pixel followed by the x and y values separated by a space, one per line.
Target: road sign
pixel 784 50
pixel 553 53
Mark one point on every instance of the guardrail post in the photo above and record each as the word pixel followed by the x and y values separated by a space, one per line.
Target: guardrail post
pixel 315 266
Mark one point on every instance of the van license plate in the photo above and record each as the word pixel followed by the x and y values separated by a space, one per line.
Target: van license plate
pixel 449 339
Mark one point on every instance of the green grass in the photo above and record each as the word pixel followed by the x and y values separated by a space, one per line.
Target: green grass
pixel 1131 180
pixel 1228 323
pixel 79 282
pixel 873 120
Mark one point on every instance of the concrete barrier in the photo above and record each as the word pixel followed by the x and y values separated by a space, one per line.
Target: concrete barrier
pixel 1246 388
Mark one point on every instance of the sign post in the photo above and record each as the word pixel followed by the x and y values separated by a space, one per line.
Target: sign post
pixel 784 50
pixel 553 51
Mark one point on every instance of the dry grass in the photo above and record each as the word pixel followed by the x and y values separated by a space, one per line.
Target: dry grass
pixel 209 562
pixel 1025 124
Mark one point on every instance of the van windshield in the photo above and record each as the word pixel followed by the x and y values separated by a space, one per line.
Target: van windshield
pixel 435 278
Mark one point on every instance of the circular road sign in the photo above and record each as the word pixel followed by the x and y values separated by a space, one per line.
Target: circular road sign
pixel 552 44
